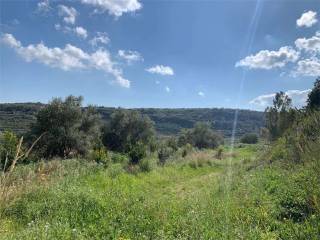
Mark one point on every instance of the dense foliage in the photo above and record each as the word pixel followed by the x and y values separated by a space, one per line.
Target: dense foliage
pixel 249 138
pixel 8 145
pixel 201 136
pixel 280 116
pixel 19 117
pixel 69 130
pixel 314 96
pixel 129 132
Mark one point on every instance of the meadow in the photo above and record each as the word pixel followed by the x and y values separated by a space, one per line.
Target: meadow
pixel 240 196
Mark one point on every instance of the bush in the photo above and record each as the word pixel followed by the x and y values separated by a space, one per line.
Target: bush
pixel 186 150
pixel 137 152
pixel 125 129
pixel 9 142
pixel 119 158
pixel 100 155
pixel 164 153
pixel 146 165
pixel 249 138
pixel 201 136
pixel 219 153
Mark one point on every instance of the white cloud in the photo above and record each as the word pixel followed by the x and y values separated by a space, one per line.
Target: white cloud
pixel 115 7
pixel 307 67
pixel 167 89
pixel 299 98
pixel 130 56
pixel 81 32
pixel 78 31
pixel 43 7
pixel 67 58
pixel 201 94
pixel 266 59
pixel 69 14
pixel 10 41
pixel 101 37
pixel 311 45
pixel 307 19
pixel 160 69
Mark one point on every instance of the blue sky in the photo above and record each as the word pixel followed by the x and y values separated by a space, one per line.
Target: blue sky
pixel 153 53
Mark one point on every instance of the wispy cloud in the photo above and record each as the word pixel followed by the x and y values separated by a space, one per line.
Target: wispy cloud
pixel 67 58
pixel 100 38
pixel 299 98
pixel 78 31
pixel 130 56
pixel 201 94
pixel 43 7
pixel 160 69
pixel 68 14
pixel 167 89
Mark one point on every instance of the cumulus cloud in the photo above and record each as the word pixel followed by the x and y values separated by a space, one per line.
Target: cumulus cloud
pixel 68 14
pixel 115 7
pixel 81 32
pixel 201 94
pixel 67 58
pixel 100 38
pixel 311 45
pixel 299 98
pixel 130 56
pixel 160 69
pixel 307 19
pixel 266 59
pixel 167 89
pixel 307 67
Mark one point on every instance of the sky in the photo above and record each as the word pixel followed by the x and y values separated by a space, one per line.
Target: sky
pixel 157 53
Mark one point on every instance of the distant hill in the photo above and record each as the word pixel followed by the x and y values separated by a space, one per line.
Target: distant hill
pixel 19 117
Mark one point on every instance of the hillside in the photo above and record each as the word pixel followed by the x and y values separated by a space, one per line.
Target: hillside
pixel 19 116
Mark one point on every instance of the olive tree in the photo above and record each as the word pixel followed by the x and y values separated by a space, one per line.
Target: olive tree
pixel 70 129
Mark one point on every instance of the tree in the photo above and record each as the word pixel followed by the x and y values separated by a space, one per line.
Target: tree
pixel 314 96
pixel 126 129
pixel 69 129
pixel 201 136
pixel 249 138
pixel 280 116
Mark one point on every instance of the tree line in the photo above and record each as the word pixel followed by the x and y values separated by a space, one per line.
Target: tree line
pixel 69 130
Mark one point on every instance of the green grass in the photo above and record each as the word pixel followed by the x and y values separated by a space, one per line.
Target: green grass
pixel 198 197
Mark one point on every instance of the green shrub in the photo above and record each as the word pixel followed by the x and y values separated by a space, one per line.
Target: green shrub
pixel 186 149
pixel 119 158
pixel 201 136
pixel 9 142
pixel 100 156
pixel 137 152
pixel 219 152
pixel 164 153
pixel 115 170
pixel 146 165
pixel 249 138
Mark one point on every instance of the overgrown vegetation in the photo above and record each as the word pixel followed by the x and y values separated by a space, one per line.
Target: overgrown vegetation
pixel 127 184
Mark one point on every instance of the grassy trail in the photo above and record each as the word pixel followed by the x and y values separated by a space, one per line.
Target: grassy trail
pixel 192 199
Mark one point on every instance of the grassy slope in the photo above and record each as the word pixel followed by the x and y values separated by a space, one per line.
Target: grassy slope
pixel 203 199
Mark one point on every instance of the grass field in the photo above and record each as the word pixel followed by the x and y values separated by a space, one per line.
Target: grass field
pixel 197 197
